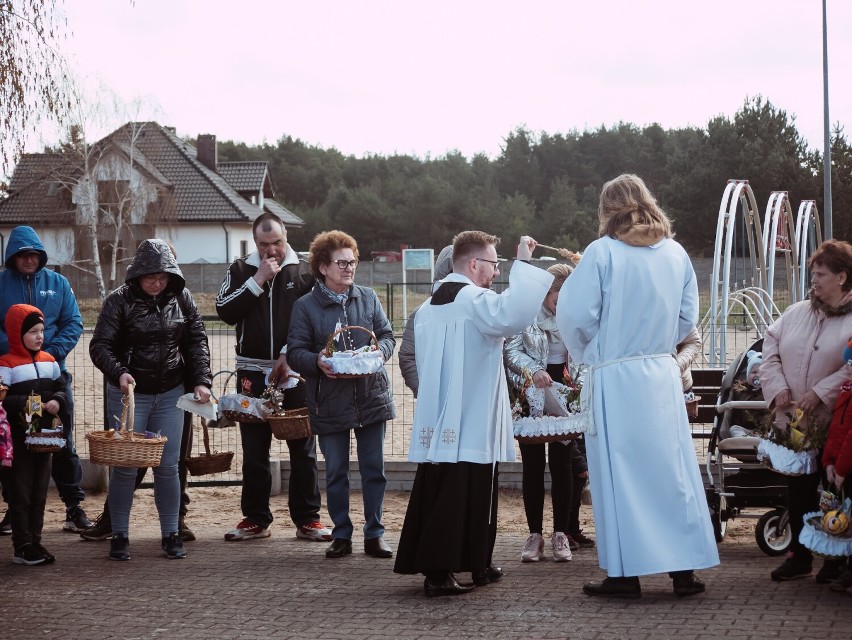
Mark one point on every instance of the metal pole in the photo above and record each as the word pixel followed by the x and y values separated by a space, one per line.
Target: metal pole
pixel 826 158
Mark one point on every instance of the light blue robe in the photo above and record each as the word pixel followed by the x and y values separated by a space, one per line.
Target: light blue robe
pixel 648 498
pixel 462 412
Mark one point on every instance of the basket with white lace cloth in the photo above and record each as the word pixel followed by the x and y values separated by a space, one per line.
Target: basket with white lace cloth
pixel 552 418
pixel 786 461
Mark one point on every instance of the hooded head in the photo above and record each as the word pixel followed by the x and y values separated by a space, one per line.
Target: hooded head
pixel 444 263
pixel 24 239
pixel 754 358
pixel 19 319
pixel 155 256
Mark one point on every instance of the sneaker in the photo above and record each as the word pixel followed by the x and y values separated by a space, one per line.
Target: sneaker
pixel 247 530
pixel 119 547
pixel 561 550
pixel 185 532
pixel 173 546
pixel 47 555
pixel 830 571
pixel 6 524
pixel 572 544
pixel 315 531
pixel 583 540
pixel 793 568
pixel 100 530
pixel 27 555
pixel 843 582
pixel 533 548
pixel 76 520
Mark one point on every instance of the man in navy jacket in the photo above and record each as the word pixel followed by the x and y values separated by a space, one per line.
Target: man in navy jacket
pixel 25 280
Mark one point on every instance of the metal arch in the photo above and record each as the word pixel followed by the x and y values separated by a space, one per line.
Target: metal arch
pixel 808 238
pixel 779 234
pixel 737 194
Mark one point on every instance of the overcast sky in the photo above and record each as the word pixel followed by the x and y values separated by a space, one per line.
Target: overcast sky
pixel 431 77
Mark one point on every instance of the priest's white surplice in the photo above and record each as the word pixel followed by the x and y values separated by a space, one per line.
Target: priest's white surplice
pixel 462 412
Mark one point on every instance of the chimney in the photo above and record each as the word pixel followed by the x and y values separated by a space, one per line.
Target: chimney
pixel 207 154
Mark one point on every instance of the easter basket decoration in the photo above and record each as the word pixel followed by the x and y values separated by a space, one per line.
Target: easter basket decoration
pixel 354 363
pixel 287 424
pixel 791 451
pixel 41 439
pixel 209 461
pixel 242 408
pixel 554 414
pixel 122 447
pixel 827 532
pixel 691 401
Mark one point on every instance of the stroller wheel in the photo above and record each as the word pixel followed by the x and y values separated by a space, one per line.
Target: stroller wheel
pixel 719 517
pixel 770 540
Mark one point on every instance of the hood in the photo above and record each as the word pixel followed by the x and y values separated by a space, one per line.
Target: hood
pixel 444 263
pixel 154 256
pixel 14 320
pixel 24 239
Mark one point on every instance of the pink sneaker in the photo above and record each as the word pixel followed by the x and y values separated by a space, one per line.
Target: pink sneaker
pixel 247 530
pixel 315 531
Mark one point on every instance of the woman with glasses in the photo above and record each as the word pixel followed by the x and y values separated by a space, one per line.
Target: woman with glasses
pixel 339 405
pixel 150 335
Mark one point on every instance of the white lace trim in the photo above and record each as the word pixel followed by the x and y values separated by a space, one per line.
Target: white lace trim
pixel 821 542
pixel 356 363
pixel 786 460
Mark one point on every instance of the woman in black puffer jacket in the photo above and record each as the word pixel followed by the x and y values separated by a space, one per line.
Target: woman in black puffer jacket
pixel 150 335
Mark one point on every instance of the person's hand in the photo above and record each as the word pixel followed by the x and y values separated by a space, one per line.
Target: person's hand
pixel 542 379
pixel 839 480
pixel 202 394
pixel 267 270
pixel 324 366
pixel 526 247
pixel 783 399
pixel 583 475
pixel 809 402
pixel 125 381
pixel 51 406
pixel 281 370
pixel 830 474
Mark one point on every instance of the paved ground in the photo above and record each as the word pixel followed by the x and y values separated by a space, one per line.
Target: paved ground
pixel 282 587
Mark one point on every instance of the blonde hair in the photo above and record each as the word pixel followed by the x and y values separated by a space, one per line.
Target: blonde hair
pixel 560 273
pixel 630 213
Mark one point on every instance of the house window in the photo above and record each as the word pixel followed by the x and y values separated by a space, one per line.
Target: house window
pixel 244 247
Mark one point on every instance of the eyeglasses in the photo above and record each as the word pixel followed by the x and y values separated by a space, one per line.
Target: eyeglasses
pixel 158 278
pixel 493 263
pixel 342 264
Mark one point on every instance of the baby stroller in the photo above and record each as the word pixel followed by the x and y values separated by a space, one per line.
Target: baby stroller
pixel 735 479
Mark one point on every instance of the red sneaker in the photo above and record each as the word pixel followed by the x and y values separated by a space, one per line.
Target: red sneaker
pixel 315 531
pixel 247 530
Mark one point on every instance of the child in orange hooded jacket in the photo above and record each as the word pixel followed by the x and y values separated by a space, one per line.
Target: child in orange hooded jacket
pixel 36 391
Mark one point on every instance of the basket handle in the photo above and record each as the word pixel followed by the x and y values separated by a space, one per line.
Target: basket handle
pixel 372 335
pixel 128 408
pixel 206 435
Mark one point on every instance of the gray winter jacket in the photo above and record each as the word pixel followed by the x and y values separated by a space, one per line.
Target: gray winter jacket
pixel 338 404
pixel 529 350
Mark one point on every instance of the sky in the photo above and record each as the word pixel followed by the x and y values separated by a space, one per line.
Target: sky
pixel 428 78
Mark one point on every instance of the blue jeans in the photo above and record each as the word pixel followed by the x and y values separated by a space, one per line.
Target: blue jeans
pixel 371 463
pixel 156 413
pixel 65 466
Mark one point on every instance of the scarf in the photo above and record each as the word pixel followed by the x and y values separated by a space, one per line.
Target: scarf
pixel 339 298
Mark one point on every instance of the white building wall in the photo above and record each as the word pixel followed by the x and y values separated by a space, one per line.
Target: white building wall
pixel 214 243
pixel 59 243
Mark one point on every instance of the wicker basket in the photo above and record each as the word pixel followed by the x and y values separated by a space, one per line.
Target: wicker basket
pixel 548 438
pixel 235 414
pixel 209 462
pixel 293 424
pixel 692 407
pixel 3 390
pixel 128 450
pixel 373 339
pixel 54 434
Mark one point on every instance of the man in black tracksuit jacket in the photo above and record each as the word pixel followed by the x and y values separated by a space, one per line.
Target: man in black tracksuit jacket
pixel 257 296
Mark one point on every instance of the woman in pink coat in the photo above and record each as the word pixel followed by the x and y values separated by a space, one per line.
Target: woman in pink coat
pixel 803 367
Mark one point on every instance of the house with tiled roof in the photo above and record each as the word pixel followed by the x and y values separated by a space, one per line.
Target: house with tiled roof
pixel 156 183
